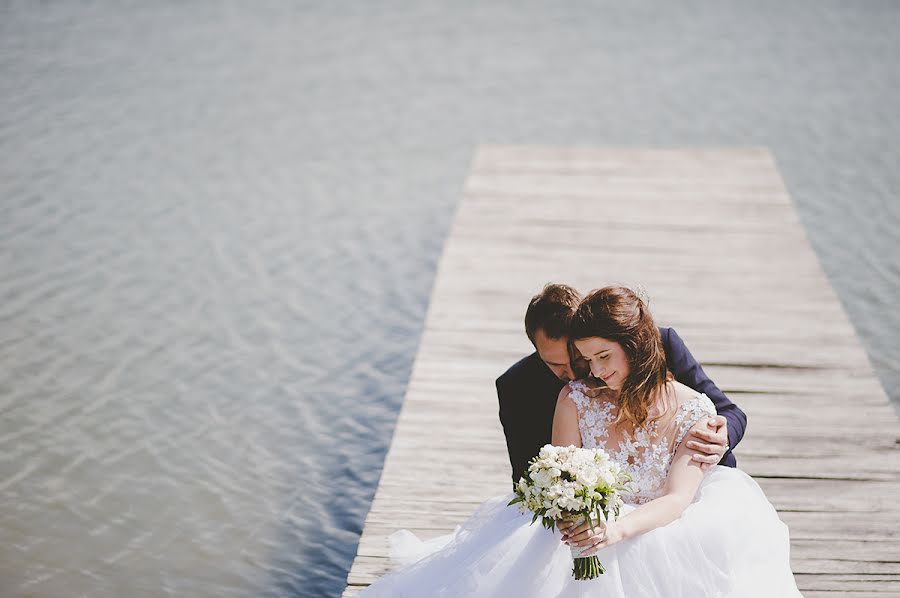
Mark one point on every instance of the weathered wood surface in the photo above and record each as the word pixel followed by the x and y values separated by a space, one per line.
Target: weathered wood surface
pixel 713 237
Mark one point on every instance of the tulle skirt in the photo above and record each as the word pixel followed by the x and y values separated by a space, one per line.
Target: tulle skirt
pixel 728 543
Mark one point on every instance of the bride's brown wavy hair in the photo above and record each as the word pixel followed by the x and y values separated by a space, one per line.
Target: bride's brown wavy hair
pixel 618 314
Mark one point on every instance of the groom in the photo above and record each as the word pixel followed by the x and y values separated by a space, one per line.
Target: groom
pixel 529 389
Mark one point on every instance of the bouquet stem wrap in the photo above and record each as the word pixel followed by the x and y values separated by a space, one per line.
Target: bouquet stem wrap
pixel 584 567
pixel 572 483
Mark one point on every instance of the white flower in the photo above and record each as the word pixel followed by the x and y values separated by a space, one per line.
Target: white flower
pixel 590 478
pixel 569 502
pixel 542 479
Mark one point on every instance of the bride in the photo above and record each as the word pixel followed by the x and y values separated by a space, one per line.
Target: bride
pixel 683 531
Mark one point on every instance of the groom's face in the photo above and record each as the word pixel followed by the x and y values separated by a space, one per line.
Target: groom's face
pixel 555 354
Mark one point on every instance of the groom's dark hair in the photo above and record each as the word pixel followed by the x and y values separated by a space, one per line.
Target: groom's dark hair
pixel 551 311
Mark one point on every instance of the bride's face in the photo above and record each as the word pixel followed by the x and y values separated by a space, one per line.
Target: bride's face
pixel 607 360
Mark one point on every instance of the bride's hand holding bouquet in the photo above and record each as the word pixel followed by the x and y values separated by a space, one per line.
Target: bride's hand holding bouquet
pixel 573 484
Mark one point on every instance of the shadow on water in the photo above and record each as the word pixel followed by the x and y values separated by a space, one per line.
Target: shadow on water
pixel 315 540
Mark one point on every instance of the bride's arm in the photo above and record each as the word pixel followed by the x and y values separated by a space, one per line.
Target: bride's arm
pixel 682 482
pixel 565 421
pixel 565 432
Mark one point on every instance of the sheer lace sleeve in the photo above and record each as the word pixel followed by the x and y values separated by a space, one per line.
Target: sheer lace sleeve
pixel 692 411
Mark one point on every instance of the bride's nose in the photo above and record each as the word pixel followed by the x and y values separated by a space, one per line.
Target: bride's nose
pixel 596 370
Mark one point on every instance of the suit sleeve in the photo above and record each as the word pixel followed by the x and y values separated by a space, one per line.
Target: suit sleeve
pixel 687 371
pixel 506 397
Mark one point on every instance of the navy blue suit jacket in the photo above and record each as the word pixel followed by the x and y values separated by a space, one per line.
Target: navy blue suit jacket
pixel 528 392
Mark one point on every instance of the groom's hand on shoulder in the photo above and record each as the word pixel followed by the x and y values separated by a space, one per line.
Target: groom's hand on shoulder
pixel 710 445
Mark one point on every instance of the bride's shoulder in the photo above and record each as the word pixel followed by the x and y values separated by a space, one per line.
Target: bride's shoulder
pixel 583 392
pixel 680 392
pixel 685 398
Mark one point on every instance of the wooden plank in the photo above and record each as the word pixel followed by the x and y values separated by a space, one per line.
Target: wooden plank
pixel 712 235
pixel 821 573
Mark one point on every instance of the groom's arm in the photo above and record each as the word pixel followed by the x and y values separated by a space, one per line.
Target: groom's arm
pixel 687 371
pixel 506 394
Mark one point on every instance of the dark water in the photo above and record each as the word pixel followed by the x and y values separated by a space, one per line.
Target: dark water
pixel 219 225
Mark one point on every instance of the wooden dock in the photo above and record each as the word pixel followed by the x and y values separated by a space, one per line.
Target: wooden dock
pixel 712 236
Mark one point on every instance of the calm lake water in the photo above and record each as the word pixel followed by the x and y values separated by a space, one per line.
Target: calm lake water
pixel 219 226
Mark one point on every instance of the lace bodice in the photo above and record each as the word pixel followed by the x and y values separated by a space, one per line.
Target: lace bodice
pixel 646 453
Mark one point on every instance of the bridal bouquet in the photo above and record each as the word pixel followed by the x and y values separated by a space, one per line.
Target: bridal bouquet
pixel 577 484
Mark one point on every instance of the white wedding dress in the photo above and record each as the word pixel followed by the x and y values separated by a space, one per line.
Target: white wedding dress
pixel 728 543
